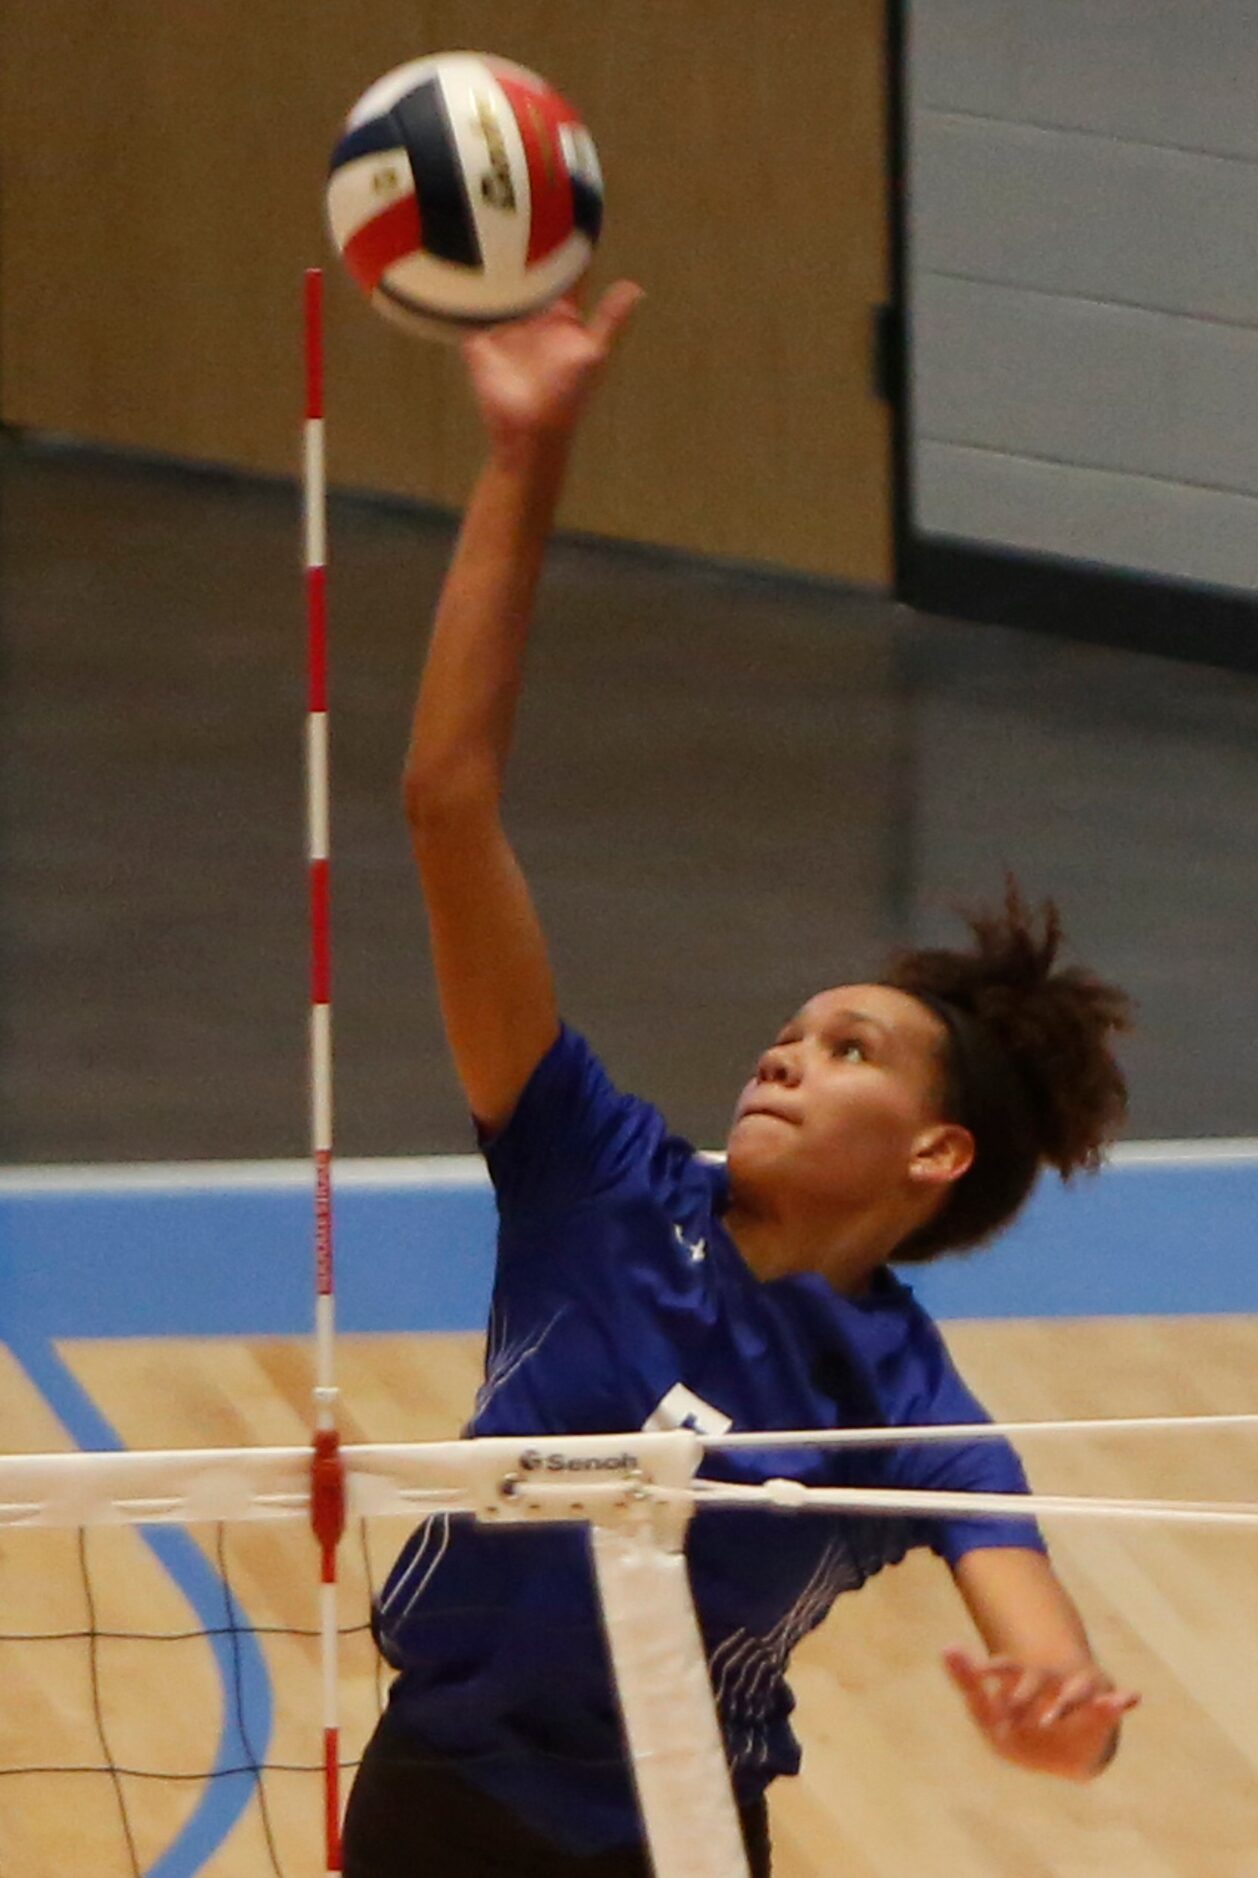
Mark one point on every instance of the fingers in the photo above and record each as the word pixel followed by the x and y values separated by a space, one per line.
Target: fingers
pixel 614 311
pixel 1087 1690
pixel 1003 1694
pixel 1079 1692
pixel 998 1678
pixel 604 326
pixel 960 1665
pixel 1015 1692
pixel 979 1693
pixel 1062 1722
pixel 1075 1693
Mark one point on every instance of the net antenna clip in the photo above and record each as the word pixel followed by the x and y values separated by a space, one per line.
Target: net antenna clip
pixel 640 1482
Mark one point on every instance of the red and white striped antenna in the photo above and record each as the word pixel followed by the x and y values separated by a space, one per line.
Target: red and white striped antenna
pixel 327 1508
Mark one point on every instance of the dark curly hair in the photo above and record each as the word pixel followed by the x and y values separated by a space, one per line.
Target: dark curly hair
pixel 1027 1067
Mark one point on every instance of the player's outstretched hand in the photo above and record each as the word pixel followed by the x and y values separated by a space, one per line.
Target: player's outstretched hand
pixel 533 377
pixel 1045 1720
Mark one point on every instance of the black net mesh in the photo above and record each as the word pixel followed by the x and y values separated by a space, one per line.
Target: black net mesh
pixel 162 1698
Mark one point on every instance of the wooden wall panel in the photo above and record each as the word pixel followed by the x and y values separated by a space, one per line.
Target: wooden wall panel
pixel 153 226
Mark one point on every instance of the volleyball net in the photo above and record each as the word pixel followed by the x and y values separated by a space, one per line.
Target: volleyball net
pixel 158 1715
pixel 160 1660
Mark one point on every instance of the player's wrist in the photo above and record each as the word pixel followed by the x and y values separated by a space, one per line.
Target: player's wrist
pixel 532 454
pixel 532 444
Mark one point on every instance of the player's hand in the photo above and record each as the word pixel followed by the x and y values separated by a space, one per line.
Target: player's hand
pixel 532 378
pixel 1048 1721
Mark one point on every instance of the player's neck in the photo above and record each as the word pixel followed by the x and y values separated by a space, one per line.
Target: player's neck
pixel 847 1257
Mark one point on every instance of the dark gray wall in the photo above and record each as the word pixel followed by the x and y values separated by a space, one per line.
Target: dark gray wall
pixel 727 792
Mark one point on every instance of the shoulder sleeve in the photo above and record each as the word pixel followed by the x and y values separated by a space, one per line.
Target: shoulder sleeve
pixel 968 1467
pixel 572 1137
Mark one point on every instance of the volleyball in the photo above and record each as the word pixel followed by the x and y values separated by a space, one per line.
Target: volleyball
pixel 464 191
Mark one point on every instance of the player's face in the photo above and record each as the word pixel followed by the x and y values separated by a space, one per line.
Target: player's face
pixel 843 1100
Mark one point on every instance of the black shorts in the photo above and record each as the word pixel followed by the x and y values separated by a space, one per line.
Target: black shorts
pixel 413 1816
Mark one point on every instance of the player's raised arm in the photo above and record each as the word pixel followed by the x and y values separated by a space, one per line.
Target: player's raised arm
pixel 531 382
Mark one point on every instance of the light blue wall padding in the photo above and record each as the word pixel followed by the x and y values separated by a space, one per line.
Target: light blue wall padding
pixel 222 1800
pixel 1134 1241
pixel 1138 1239
pixel 201 1262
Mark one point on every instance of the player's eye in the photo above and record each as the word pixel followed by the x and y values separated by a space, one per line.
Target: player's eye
pixel 849 1049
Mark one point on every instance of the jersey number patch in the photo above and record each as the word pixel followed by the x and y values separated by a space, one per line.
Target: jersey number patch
pixel 682 1408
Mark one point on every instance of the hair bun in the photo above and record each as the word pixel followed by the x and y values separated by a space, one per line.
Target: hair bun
pixel 1028 1066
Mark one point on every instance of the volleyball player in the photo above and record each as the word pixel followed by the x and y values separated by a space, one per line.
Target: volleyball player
pixel 639 1286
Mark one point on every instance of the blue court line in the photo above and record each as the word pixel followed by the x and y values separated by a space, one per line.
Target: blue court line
pixel 225 1798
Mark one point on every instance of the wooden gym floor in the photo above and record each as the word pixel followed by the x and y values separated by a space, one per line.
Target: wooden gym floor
pixel 894 1783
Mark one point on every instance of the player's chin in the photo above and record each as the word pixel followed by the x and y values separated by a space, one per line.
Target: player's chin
pixel 752 1148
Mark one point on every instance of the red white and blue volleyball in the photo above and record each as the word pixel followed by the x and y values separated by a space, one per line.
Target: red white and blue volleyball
pixel 464 191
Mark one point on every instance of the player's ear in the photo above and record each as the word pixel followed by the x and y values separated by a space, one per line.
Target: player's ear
pixel 941 1153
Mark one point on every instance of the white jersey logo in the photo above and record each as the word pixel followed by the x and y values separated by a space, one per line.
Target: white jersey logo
pixel 682 1408
pixel 697 1248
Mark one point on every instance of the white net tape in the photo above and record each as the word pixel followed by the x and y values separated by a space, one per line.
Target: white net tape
pixel 601 1479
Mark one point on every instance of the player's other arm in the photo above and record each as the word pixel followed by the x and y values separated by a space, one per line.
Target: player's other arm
pixel 1041 1699
pixel 494 980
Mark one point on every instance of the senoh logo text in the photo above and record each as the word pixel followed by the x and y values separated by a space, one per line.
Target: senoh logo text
pixel 553 1461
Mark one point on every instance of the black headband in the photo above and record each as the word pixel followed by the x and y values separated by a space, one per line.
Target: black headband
pixel 986 1087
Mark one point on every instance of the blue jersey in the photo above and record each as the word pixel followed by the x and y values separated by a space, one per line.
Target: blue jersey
pixel 621 1303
